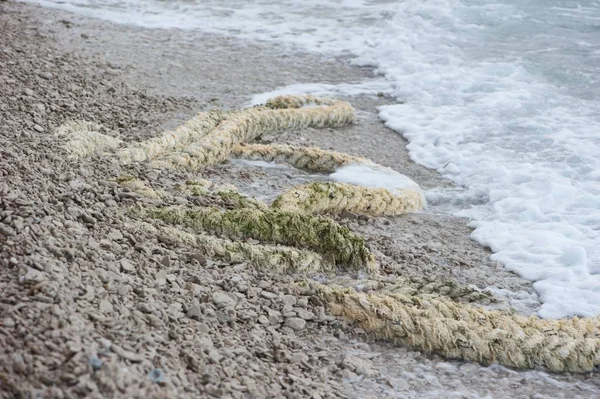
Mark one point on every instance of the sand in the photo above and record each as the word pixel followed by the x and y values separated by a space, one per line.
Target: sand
pixel 91 307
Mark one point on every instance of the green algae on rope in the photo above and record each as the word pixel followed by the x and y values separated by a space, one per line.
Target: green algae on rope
pixel 266 257
pixel 334 198
pixel 140 187
pixel 316 233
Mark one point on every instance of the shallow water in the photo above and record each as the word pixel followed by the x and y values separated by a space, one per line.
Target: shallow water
pixel 499 96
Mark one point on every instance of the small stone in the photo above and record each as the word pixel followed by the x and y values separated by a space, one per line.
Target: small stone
pixel 214 356
pixel 115 235
pixel 127 266
pixel 8 322
pixel 194 312
pixel 289 300
pixel 303 302
pixel 106 306
pixel 161 278
pixel 125 354
pixel 468 368
pixel 274 320
pixel 360 366
pixel 305 314
pixel 203 328
pixel 299 358
pixel 262 319
pixel 223 300
pixel 268 295
pixel 46 75
pixel 295 323
pixel 166 261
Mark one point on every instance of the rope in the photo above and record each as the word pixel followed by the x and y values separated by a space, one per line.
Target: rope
pixel 84 139
pixel 248 124
pixel 308 158
pixel 280 258
pixel 432 316
pixel 461 331
pixel 319 198
pixel 316 233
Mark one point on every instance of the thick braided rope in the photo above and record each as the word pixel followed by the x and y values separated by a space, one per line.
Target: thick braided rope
pixel 234 200
pixel 459 331
pixel 307 158
pixel 326 197
pixel 415 286
pixel 411 313
pixel 275 227
pixel 85 139
pixel 281 258
pixel 140 187
pixel 183 135
pixel 284 102
pixel 247 124
pixel 225 198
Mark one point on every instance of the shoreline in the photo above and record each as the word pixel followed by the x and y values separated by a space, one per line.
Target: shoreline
pixel 147 84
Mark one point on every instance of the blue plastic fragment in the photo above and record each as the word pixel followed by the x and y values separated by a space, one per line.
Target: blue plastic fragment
pixel 95 362
pixel 156 376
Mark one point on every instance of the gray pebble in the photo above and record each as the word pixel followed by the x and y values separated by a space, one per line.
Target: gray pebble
pixel 295 323
pixel 268 295
pixel 223 299
pixel 194 312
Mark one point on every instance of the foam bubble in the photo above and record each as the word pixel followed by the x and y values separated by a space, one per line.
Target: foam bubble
pixel 375 176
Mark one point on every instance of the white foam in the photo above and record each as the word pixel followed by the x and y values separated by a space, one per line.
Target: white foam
pixel 375 176
pixel 371 87
pixel 492 99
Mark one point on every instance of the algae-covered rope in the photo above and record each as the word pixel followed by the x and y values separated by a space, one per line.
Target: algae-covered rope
pixel 319 234
pixel 319 198
pixel 280 258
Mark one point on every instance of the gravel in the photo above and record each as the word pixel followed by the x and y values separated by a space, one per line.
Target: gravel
pixel 91 307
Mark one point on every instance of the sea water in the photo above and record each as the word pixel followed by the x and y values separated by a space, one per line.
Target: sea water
pixel 500 96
